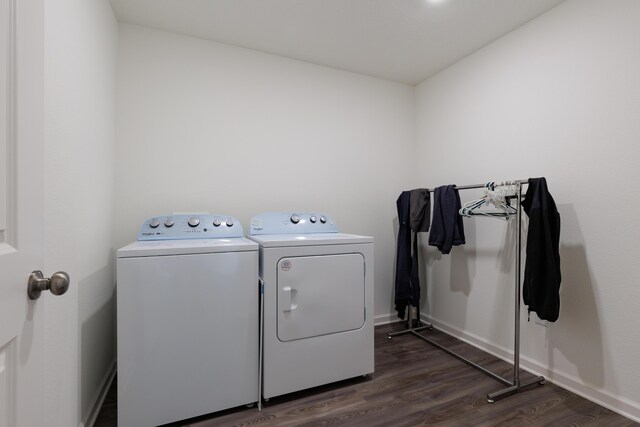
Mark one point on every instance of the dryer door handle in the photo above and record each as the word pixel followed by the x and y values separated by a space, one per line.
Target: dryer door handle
pixel 287 296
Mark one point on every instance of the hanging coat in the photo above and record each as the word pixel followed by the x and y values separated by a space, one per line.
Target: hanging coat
pixel 447 229
pixel 541 287
pixel 407 289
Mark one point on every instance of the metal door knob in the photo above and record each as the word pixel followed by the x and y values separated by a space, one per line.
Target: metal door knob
pixel 57 284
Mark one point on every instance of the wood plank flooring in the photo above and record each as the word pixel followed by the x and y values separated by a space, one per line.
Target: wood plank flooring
pixel 414 384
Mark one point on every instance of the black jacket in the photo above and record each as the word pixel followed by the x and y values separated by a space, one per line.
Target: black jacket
pixel 407 289
pixel 541 286
pixel 447 228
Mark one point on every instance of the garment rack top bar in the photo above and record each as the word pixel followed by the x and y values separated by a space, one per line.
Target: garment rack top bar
pixel 468 187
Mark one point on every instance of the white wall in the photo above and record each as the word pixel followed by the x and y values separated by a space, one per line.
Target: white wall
pixel 558 97
pixel 204 126
pixel 80 59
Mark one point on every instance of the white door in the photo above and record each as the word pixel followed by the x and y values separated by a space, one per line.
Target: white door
pixel 21 211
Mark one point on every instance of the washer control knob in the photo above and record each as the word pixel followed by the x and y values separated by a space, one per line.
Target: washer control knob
pixel 194 221
pixel 323 219
pixel 217 222
pixel 295 218
pixel 229 222
pixel 168 223
pixel 154 223
pixel 313 219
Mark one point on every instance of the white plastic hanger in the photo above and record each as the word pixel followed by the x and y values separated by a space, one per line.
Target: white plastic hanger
pixel 493 195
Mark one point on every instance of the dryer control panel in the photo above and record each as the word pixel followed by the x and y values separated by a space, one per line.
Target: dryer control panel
pixel 292 223
pixel 190 226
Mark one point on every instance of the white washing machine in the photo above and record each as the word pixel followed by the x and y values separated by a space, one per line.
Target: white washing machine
pixel 318 301
pixel 188 324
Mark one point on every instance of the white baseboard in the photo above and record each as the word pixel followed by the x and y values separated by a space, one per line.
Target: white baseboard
pixel 567 381
pixel 385 319
pixel 101 393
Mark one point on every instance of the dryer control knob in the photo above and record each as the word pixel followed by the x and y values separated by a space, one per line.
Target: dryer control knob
pixel 323 219
pixel 229 222
pixel 168 223
pixel 193 221
pixel 217 222
pixel 313 219
pixel 295 219
pixel 154 223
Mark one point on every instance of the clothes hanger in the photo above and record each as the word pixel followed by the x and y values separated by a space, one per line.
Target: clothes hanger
pixel 469 207
pixel 500 199
pixel 493 195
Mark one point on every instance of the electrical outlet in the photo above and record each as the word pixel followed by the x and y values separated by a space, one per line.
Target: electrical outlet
pixel 539 321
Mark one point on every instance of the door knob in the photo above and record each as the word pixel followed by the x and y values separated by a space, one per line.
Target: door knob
pixel 57 284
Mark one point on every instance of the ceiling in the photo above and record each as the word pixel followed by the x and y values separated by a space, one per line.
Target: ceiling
pixel 400 40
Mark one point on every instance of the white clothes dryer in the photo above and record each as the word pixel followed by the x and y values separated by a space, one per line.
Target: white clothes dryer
pixel 317 301
pixel 187 320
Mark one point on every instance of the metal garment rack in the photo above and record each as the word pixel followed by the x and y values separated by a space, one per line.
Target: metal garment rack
pixel 512 386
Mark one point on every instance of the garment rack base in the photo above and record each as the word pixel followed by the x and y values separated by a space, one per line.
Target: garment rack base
pixel 512 387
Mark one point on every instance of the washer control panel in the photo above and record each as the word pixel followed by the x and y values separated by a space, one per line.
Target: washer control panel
pixel 292 223
pixel 195 226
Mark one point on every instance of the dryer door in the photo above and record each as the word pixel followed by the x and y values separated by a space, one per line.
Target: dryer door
pixel 320 295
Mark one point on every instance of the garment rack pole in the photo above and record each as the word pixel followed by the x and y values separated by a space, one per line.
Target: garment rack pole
pixel 512 386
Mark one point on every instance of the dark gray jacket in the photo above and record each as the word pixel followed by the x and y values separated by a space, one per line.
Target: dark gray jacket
pixel 541 287
pixel 447 228
pixel 413 215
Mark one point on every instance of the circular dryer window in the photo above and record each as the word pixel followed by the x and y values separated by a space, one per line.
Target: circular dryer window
pixel 285 265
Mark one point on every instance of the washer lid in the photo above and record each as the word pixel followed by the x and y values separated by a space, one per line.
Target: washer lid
pixel 318 239
pixel 186 247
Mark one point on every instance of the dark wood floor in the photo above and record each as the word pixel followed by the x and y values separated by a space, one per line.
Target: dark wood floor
pixel 414 384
